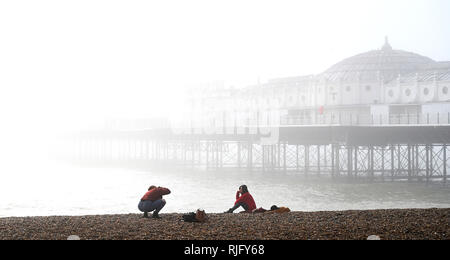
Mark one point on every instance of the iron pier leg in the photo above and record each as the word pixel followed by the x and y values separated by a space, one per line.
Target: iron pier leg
pixel 427 162
pixel 399 162
pixel 221 154
pixel 284 156
pixel 339 161
pixel 277 156
pixel 207 154
pixel 306 159
pixel 238 154
pixel 318 159
pixel 409 163
pixel 193 153
pixel 263 159
pixel 416 160
pixel 355 158
pixel 431 161
pixel 199 153
pixel 382 162
pixel 349 161
pixel 445 164
pixel 250 156
pixel 392 148
pixel 372 168
pixel 332 160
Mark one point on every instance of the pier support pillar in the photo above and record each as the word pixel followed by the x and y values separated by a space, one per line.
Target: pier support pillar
pixel 349 161
pixel 371 166
pixel 284 156
pixel 250 156
pixel 427 163
pixel 332 160
pixel 445 163
pixel 306 159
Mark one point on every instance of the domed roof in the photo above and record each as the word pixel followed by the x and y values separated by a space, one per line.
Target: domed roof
pixel 385 64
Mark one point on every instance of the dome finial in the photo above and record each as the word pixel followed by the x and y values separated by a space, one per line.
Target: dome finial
pixel 386 46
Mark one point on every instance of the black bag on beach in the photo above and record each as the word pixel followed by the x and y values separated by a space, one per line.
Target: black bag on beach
pixel 199 216
pixel 189 217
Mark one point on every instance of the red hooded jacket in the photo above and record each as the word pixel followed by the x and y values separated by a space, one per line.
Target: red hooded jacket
pixel 247 199
pixel 155 193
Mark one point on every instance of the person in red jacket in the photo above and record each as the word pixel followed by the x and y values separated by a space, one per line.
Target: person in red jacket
pixel 153 201
pixel 243 199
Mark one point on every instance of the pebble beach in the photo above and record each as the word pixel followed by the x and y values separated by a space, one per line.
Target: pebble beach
pixel 390 224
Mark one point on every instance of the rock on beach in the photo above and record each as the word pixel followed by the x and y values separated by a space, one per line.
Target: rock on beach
pixel 390 224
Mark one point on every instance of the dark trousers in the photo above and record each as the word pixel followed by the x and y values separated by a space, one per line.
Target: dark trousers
pixel 239 204
pixel 149 206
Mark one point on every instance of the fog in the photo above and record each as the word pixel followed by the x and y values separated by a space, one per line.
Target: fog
pixel 64 65
pixel 67 66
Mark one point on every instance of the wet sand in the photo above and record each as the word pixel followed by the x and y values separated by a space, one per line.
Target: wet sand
pixel 392 224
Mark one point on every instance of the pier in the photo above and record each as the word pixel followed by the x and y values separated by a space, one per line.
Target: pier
pixel 379 115
pixel 385 152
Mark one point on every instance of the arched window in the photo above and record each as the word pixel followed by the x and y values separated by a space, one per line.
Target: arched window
pixel 408 92
pixel 391 93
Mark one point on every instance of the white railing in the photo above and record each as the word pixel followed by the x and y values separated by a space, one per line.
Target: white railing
pixel 352 119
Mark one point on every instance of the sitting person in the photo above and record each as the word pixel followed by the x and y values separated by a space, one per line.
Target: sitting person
pixel 243 199
pixel 153 201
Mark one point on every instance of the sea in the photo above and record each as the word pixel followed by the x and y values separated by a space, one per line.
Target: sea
pixel 56 188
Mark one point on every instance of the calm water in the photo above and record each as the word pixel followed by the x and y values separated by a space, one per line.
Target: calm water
pixel 61 190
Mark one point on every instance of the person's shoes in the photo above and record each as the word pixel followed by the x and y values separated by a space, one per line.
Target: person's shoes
pixel 145 215
pixel 228 211
pixel 156 216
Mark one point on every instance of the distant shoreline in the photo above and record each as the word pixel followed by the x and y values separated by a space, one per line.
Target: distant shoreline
pixel 391 224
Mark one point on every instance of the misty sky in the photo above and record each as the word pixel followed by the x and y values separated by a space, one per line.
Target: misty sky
pixel 73 61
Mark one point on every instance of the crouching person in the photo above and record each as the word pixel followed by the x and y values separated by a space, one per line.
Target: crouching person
pixel 153 201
